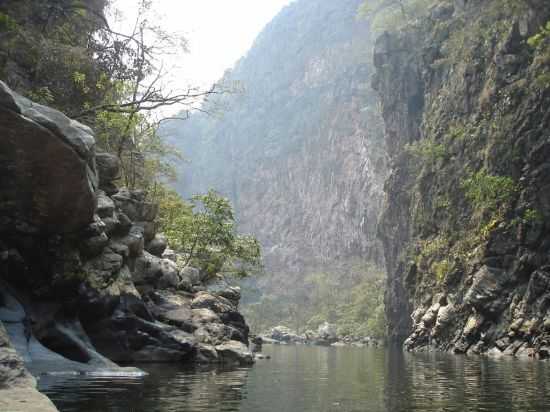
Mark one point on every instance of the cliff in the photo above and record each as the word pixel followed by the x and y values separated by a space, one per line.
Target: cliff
pixel 465 100
pixel 299 149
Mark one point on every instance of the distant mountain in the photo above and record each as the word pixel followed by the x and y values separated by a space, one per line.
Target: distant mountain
pixel 300 150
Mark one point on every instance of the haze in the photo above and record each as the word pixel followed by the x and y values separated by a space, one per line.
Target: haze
pixel 219 33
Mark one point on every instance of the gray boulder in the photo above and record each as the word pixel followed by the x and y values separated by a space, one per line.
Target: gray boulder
pixel 41 147
pixel 233 352
pixel 108 170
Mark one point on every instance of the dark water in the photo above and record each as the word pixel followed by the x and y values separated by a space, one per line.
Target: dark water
pixel 312 379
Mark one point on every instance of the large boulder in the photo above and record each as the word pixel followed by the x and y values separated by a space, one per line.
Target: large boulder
pixel 283 334
pixel 327 334
pixel 39 148
pixel 234 353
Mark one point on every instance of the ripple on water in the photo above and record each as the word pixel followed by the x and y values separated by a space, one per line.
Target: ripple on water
pixel 313 379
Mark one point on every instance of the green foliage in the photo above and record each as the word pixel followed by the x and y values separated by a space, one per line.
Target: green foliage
pixel 538 39
pixel 540 42
pixel 42 95
pixel 488 192
pixel 427 150
pixel 203 230
pixel 440 269
pixel 533 216
pixel 7 24
pixel 353 300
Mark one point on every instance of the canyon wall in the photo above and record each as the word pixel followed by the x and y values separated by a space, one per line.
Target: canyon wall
pixel 465 99
pixel 299 147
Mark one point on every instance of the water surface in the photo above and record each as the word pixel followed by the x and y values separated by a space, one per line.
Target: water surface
pixel 313 379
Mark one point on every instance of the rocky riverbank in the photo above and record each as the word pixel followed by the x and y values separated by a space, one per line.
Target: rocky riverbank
pixel 324 336
pixel 86 280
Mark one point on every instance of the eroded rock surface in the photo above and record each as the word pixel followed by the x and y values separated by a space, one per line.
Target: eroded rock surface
pixel 460 96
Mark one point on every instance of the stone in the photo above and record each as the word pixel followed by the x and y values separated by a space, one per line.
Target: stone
pixel 473 324
pixel 232 293
pixel 104 267
pixel 207 354
pixel 494 353
pixel 205 300
pixel 149 230
pixel 133 240
pixel 126 204
pixel 168 254
pixel 157 246
pixel 108 168
pixel 327 333
pixel 147 269
pixel 203 316
pixel 284 334
pixel 484 294
pixel 128 338
pixel 119 249
pixel 234 352
pixel 93 246
pixel 105 205
pixel 40 147
pixel 18 391
pixel 430 316
pixel 190 275
pixel 169 274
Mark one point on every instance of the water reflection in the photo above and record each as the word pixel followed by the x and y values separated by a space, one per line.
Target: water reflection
pixel 312 379
pixel 165 389
pixel 439 382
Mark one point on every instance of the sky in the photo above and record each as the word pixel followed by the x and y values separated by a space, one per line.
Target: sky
pixel 219 32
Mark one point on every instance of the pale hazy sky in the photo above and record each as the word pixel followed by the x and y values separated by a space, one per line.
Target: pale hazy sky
pixel 219 32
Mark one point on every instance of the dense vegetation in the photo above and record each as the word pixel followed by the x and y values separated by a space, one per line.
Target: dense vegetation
pixel 203 231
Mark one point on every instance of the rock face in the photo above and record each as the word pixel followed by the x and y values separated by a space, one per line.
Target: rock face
pixel 17 386
pixel 40 148
pixel 78 290
pixel 301 151
pixel 465 227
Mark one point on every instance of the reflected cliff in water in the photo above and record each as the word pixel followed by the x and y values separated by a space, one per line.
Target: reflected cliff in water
pixel 300 378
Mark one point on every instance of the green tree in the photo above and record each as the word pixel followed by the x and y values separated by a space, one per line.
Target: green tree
pixel 204 231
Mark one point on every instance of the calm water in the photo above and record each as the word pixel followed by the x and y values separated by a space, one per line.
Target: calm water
pixel 313 379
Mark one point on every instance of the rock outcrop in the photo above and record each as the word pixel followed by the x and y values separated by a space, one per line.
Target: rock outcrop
pixel 466 107
pixel 17 386
pixel 83 280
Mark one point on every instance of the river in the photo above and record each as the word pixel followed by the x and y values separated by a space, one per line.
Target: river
pixel 319 379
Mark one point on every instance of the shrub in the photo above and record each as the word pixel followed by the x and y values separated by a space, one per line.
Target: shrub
pixel 204 231
pixel 488 192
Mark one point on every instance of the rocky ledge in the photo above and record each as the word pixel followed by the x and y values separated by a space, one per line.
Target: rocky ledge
pixel 86 280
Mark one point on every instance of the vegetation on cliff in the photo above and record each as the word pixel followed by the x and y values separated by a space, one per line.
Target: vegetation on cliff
pixel 466 136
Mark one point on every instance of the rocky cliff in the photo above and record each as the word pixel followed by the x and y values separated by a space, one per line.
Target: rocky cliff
pixel 298 147
pixel 85 280
pixel 465 100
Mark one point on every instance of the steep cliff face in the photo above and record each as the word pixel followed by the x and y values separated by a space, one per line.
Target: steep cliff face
pixel 300 150
pixel 465 101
